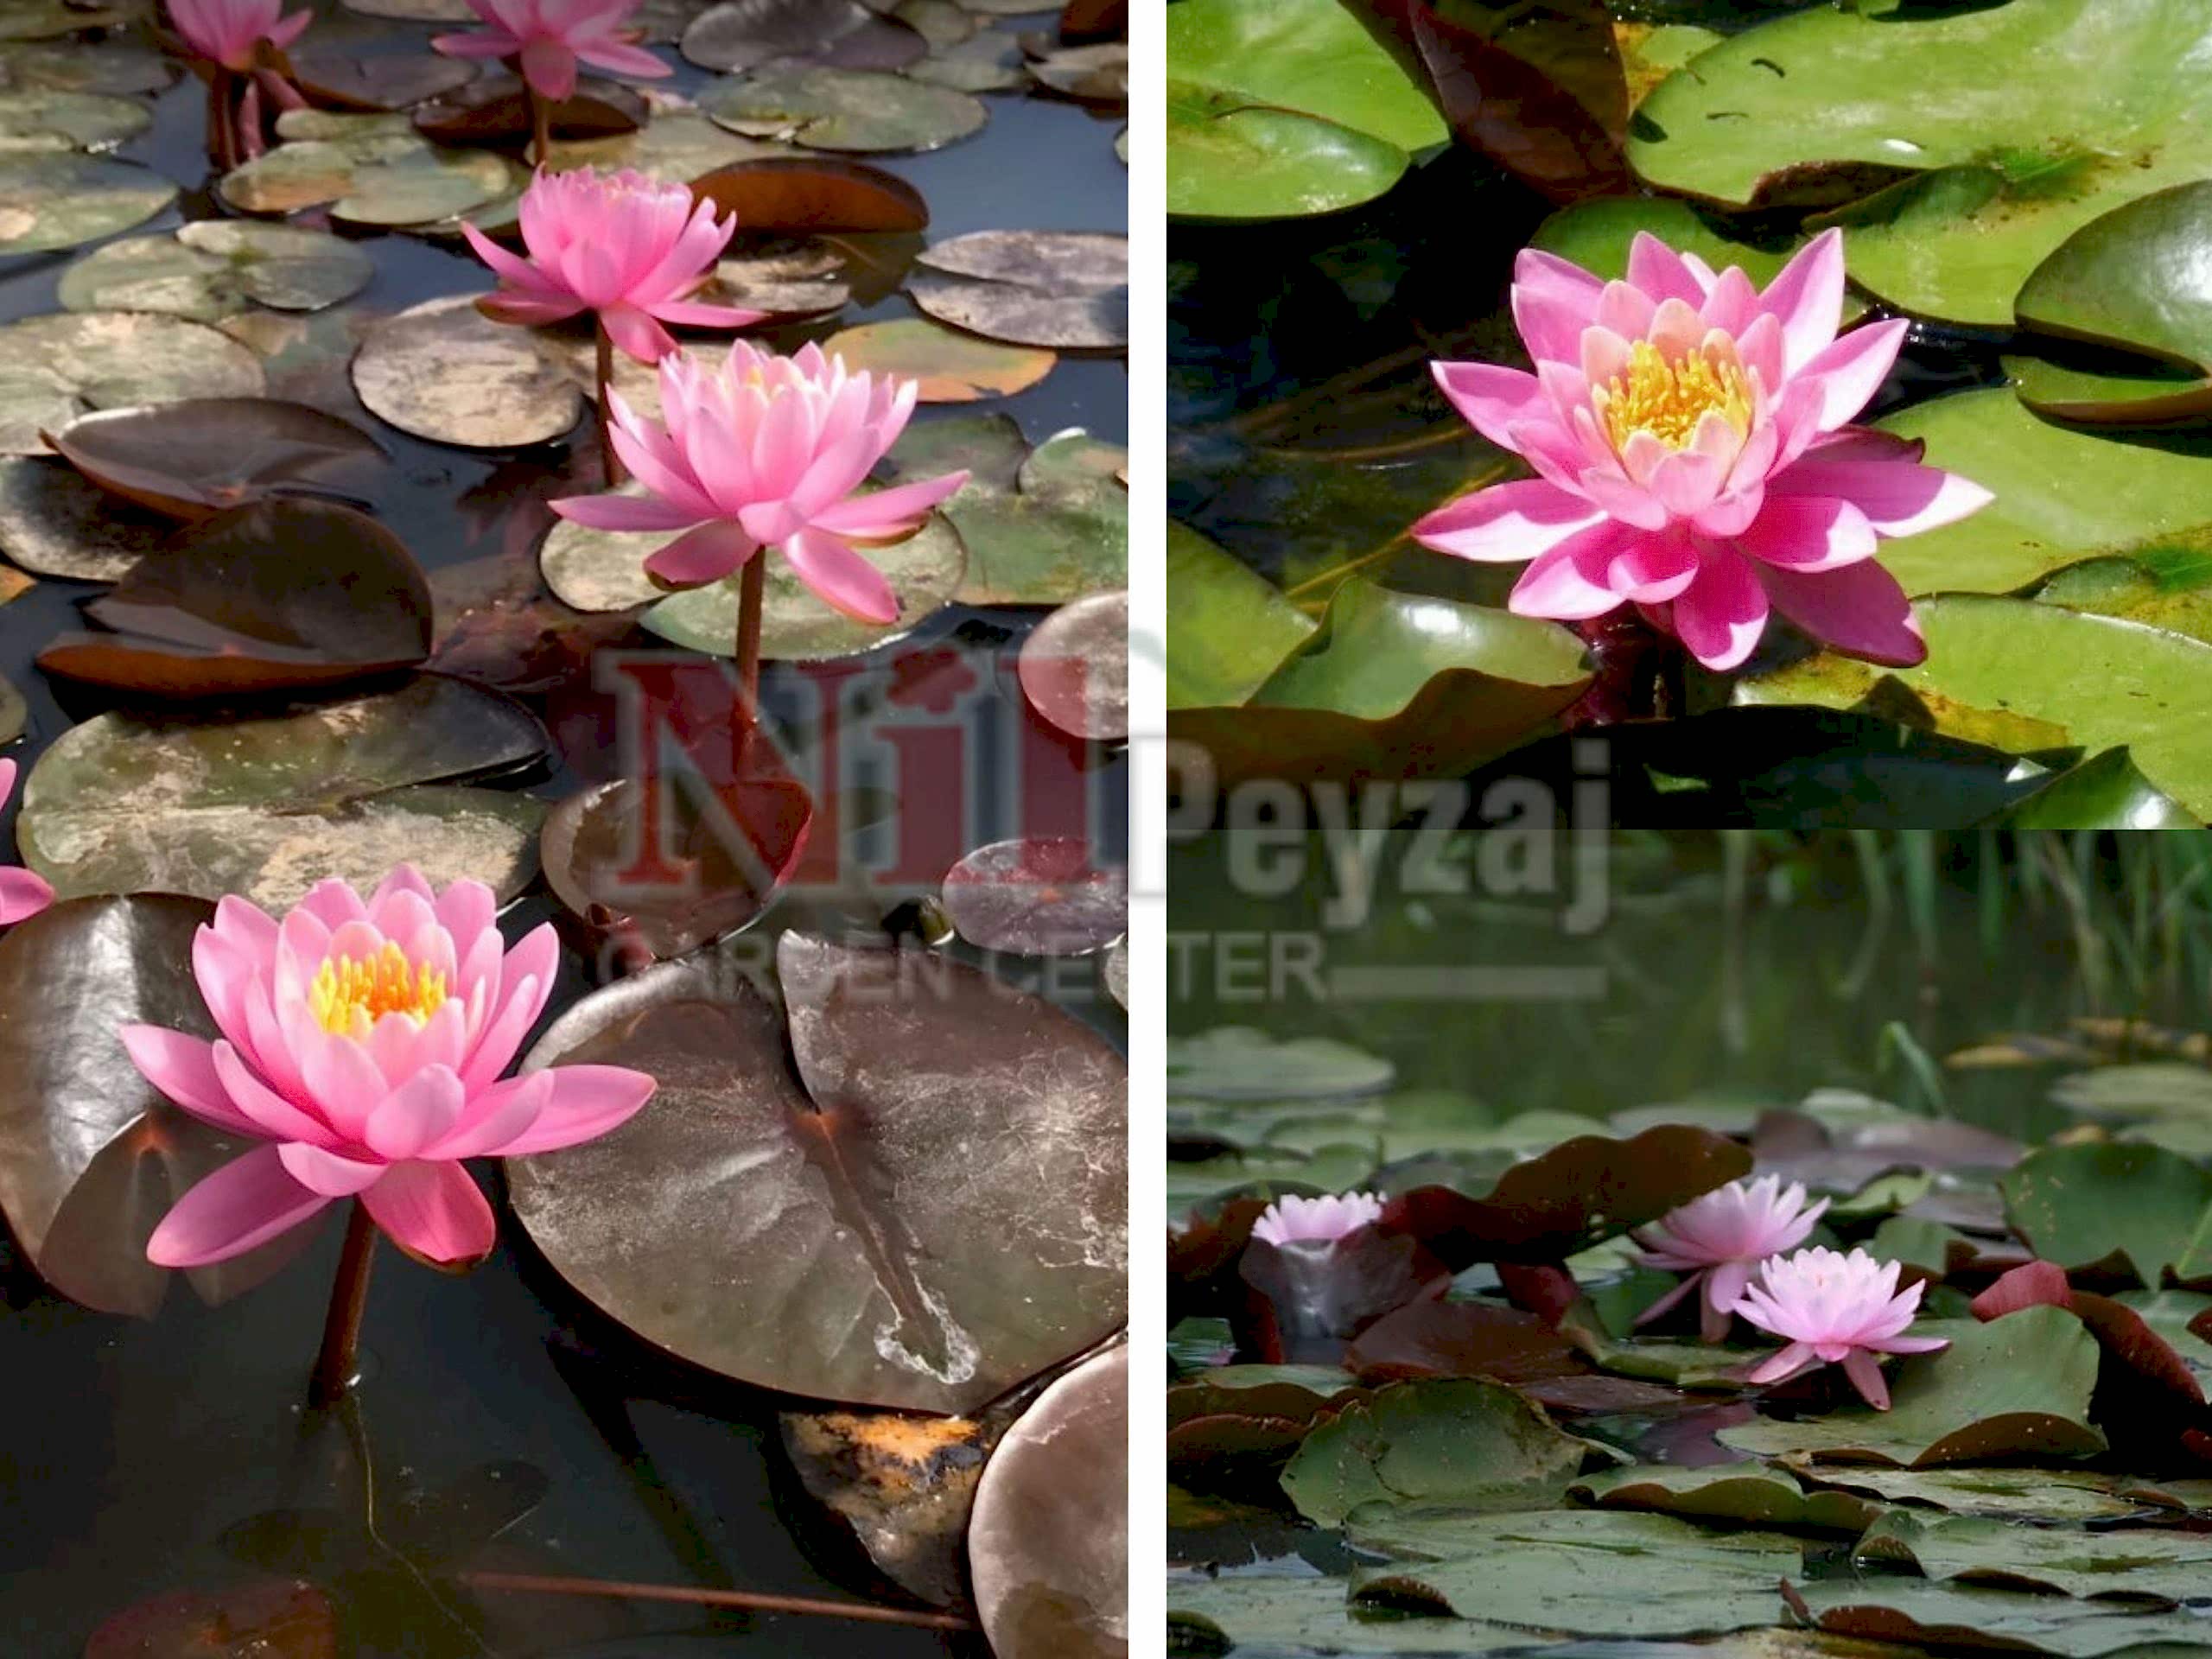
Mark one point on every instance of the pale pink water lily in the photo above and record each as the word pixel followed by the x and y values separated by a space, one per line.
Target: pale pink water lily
pixel 767 451
pixel 1292 1219
pixel 1830 1307
pixel 1695 459
pixel 23 894
pixel 549 38
pixel 226 31
pixel 1720 1239
pixel 623 245
pixel 366 1043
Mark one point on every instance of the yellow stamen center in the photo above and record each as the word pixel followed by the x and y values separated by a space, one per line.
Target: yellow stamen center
pixel 350 996
pixel 1668 397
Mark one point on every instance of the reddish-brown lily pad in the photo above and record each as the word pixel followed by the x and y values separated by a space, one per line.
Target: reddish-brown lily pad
pixel 813 194
pixel 495 108
pixel 263 1620
pixel 1040 898
pixel 203 455
pixel 1075 667
pixel 279 595
pixel 346 80
pixel 821 1205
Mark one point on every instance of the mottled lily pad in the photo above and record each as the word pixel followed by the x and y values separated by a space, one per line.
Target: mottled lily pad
pixel 1075 667
pixel 49 121
pixel 215 268
pixel 989 62
pixel 268 806
pixel 374 169
pixel 1062 532
pixel 49 201
pixel 1047 897
pixel 443 370
pixel 201 455
pixel 56 522
pixel 744 34
pixel 823 1207
pixel 950 367
pixel 56 368
pixel 115 65
pixel 853 111
pixel 1732 1492
pixel 1061 288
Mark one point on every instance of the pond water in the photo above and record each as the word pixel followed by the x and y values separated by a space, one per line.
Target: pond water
pixel 499 1420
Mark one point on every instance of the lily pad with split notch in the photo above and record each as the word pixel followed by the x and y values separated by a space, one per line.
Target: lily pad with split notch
pixel 373 170
pixel 443 370
pixel 495 108
pixel 857 112
pixel 1062 533
pixel 745 35
pixel 829 1218
pixel 1049 1548
pixel 54 368
pixel 266 806
pixel 280 595
pixel 949 367
pixel 1075 667
pixel 1045 897
pixel 216 268
pixel 53 202
pixel 205 455
pixel 1066 290
pixel 56 522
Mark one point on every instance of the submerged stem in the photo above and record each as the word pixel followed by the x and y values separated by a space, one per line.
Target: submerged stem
pixel 751 588
pixel 745 1598
pixel 349 1295
pixel 611 461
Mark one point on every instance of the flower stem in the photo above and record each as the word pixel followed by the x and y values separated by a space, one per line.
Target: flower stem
pixel 751 587
pixel 222 126
pixel 342 1328
pixel 765 1603
pixel 611 461
pixel 541 126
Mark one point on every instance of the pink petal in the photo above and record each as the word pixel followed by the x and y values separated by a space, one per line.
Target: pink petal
pixel 623 512
pixel 1491 398
pixel 1859 610
pixel 696 314
pixel 1670 1298
pixel 635 334
pixel 1899 498
pixel 1566 583
pixel 1807 533
pixel 586 1103
pixel 621 60
pixel 1851 371
pixel 1866 1374
pixel 270 1112
pixel 1659 271
pixel 418 1113
pixel 1788 1362
pixel 1554 300
pixel 1686 482
pixel 1909 1345
pixel 334 904
pixel 495 1116
pixel 476 44
pixel 527 310
pixel 1632 504
pixel 549 68
pixel 346 1084
pixel 841 578
pixel 183 1069
pixel 1505 522
pixel 1806 297
pixel 22 895
pixel 1731 303
pixel 245 1204
pixel 886 513
pixel 285 30
pixel 434 1211
pixel 1652 569
pixel 1720 615
pixel 506 265
pixel 326 1172
pixel 708 553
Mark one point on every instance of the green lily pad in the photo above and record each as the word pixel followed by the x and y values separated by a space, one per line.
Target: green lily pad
pixel 216 268
pixel 1281 108
pixel 1460 1440
pixel 987 61
pixel 1062 533
pixel 1599 1572
pixel 1744 1492
pixel 2018 1387
pixel 2008 160
pixel 2078 1204
pixel 2108 791
pixel 56 522
pixel 1238 1063
pixel 1945 1617
pixel 368 169
pixel 1976 1549
pixel 1269 1612
pixel 266 807
pixel 49 121
pixel 2153 1090
pixel 56 201
pixel 2026 1492
pixel 2111 683
pixel 57 367
pixel 925 570
pixel 2165 588
pixel 1231 629
pixel 116 65
pixel 854 111
pixel 1393 685
pixel 444 371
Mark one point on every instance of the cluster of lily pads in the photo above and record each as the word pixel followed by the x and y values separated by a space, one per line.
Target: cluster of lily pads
pixel 1472 1413
pixel 327 623
pixel 2044 244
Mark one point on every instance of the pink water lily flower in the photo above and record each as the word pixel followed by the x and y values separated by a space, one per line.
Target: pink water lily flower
pixel 23 894
pixel 1832 1307
pixel 623 245
pixel 226 31
pixel 1719 1240
pixel 1292 1219
pixel 767 451
pixel 1694 457
pixel 366 1043
pixel 549 38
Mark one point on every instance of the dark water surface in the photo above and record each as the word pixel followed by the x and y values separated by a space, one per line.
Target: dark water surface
pixel 140 1458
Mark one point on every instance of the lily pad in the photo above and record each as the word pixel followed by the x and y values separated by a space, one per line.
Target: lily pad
pixel 2111 683
pixel 215 268
pixel 1049 1545
pixel 1976 1549
pixel 829 1218
pixel 370 169
pixel 812 194
pixel 2080 1206
pixel 2026 1492
pixel 950 367
pixel 1075 667
pixel 853 111
pixel 2017 1388
pixel 1945 1616
pixel 987 61
pixel 496 109
pixel 1045 897
pixel 1392 685
pixel 267 806
pixel 1232 627
pixel 230 606
pixel 443 370
pixel 115 64
pixel 54 368
pixel 1061 288
pixel 1732 1492
pixel 56 522
pixel 335 79
pixel 1294 1610
pixel 1237 1063
pixel 2007 162
pixel 204 455
pixel 45 120
pixel 1063 532
pixel 57 201
pixel 1465 1441
pixel 745 35
pixel 901 1483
